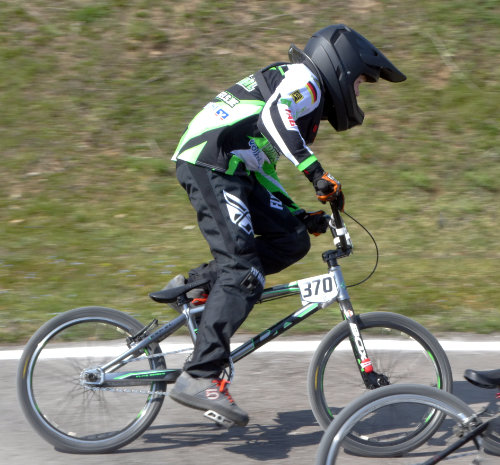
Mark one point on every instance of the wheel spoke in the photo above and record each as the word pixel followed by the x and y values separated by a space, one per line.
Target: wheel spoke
pixel 69 413
pixel 401 352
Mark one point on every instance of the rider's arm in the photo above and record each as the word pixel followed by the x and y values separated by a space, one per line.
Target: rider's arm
pixel 297 100
pixel 296 97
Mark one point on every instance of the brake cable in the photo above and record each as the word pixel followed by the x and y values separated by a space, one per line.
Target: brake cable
pixel 376 250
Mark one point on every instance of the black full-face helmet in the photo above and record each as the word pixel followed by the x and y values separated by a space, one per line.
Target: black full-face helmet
pixel 338 55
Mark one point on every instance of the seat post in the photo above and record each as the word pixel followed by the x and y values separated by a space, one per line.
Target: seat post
pixel 190 320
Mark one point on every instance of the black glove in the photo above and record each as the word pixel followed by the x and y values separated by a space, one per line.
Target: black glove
pixel 328 189
pixel 315 222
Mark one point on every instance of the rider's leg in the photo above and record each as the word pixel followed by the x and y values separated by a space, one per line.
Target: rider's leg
pixel 224 220
pixel 281 238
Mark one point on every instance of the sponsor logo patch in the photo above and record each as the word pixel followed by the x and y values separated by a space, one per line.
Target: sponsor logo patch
pixel 275 202
pixel 271 153
pixel 255 151
pixel 212 393
pixel 238 213
pixel 221 113
pixel 291 121
pixel 258 275
pixel 218 111
pixel 228 98
pixel 249 83
pixel 297 96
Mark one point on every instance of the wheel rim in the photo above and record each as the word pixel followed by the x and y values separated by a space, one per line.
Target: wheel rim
pixel 59 400
pixel 458 415
pixel 409 364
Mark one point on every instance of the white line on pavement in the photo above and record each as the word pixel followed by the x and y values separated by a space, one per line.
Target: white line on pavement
pixel 273 346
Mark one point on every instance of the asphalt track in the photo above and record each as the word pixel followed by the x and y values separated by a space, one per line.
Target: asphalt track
pixel 270 385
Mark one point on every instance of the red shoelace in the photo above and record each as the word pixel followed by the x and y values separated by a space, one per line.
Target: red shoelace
pixel 222 385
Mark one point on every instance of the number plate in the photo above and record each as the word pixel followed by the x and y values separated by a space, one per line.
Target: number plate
pixel 318 289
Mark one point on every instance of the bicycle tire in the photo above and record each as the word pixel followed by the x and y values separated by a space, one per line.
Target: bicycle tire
pixel 70 416
pixel 334 378
pixel 331 444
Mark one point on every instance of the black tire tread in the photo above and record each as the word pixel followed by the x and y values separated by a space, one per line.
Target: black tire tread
pixel 453 402
pixel 373 320
pixel 66 443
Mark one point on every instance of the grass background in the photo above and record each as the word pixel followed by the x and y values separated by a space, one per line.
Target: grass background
pixel 94 96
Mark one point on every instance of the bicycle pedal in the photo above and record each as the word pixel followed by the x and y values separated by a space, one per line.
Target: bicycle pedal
pixel 219 419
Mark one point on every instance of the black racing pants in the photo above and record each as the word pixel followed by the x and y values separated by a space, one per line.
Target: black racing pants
pixel 251 234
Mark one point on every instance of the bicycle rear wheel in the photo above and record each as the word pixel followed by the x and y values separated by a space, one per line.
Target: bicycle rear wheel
pixel 377 406
pixel 402 351
pixel 70 414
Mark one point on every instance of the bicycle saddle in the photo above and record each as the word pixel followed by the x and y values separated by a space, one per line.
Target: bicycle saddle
pixel 486 379
pixel 167 296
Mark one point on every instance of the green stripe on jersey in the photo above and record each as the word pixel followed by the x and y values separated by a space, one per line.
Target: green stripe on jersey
pixel 307 162
pixel 191 155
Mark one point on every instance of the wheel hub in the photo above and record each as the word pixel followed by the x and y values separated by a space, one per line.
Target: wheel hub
pixel 92 376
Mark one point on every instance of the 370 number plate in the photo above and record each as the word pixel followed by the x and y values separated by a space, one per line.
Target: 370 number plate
pixel 318 289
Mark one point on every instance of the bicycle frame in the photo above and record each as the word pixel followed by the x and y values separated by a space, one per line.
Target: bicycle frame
pixel 473 428
pixel 106 375
pixel 187 317
pixel 473 435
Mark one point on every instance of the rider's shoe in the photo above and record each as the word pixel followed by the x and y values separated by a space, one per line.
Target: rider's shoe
pixel 197 295
pixel 208 394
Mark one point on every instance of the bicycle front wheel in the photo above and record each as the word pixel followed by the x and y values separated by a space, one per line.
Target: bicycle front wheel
pixel 377 406
pixel 402 351
pixel 67 412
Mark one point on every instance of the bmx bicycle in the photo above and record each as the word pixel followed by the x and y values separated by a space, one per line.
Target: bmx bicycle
pixel 93 379
pixel 401 407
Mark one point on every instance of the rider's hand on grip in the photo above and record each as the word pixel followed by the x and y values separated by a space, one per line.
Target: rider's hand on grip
pixel 328 189
pixel 315 222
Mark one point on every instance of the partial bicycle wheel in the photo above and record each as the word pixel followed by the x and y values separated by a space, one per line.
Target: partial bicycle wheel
pixel 376 407
pixel 402 351
pixel 492 437
pixel 70 414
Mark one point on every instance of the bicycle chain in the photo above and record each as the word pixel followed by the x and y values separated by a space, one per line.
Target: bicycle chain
pixel 127 391
pixel 138 391
pixel 145 357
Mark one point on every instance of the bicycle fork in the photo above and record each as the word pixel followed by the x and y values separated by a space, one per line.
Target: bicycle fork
pixel 371 379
